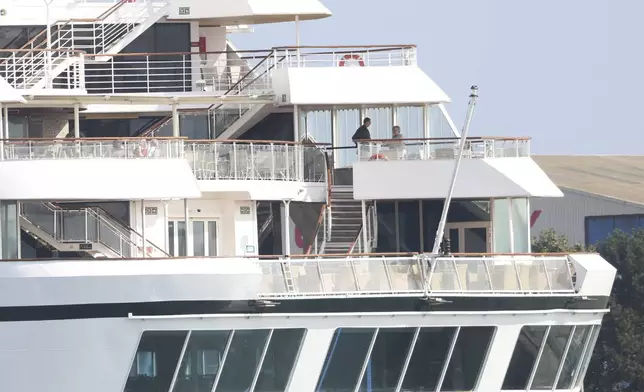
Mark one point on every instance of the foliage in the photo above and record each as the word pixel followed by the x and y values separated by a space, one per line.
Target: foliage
pixel 617 364
pixel 551 242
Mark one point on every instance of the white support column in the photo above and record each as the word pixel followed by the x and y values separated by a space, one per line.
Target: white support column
pixel 363 114
pixel 365 249
pixel 286 228
pixel 186 219
pixel 335 137
pixel 166 239
pixel 510 224
pixel 144 245
pixel 6 121
pixel 426 131
pixel 76 121
pixel 394 116
pixel 176 132
pixel 18 233
pixel 528 215
pixel 296 123
pixel 297 38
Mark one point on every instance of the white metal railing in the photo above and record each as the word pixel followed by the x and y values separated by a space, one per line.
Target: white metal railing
pixel 88 225
pixel 26 69
pixel 413 275
pixel 256 161
pixel 220 72
pixel 442 148
pixel 344 56
pixel 38 64
pixel 37 149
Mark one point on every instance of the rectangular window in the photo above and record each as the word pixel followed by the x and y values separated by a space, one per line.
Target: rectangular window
pixel 203 241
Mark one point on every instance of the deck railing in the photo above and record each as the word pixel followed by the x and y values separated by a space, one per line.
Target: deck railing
pixel 442 148
pixel 216 72
pixel 416 274
pixel 345 56
pixel 129 148
pixel 257 160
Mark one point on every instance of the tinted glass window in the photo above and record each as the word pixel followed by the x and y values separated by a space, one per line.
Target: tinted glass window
pixel 344 359
pixel 524 356
pixel 551 357
pixel 280 358
pixel 241 362
pixel 156 360
pixel 467 358
pixel 428 359
pixel 387 359
pixel 573 357
pixel 201 361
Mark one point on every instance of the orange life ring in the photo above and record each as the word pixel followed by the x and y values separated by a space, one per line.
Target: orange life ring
pixel 378 157
pixel 349 57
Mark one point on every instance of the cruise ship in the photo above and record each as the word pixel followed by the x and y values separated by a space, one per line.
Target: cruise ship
pixel 179 215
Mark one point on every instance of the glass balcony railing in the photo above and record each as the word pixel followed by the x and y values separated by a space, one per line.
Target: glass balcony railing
pixel 416 274
pixel 55 149
pixel 209 159
pixel 442 148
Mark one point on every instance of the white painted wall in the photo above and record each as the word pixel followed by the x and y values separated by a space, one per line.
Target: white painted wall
pixel 237 233
pixel 430 179
pixel 355 85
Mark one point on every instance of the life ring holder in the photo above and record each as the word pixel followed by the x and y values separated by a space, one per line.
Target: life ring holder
pixel 351 57
pixel 378 157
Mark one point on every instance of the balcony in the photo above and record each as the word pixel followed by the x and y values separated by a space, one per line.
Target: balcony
pixel 95 169
pixel 423 168
pixel 294 170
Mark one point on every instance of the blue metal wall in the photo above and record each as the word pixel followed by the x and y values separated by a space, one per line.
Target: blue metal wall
pixel 600 227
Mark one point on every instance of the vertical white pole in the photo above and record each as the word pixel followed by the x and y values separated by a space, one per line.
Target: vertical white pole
pixel 426 131
pixel 296 123
pixel 186 219
pixel 6 121
pixel 394 117
pixel 287 227
pixel 144 246
pixel 176 132
pixel 297 38
pixel 76 121
pixel 364 227
pixel 335 137
pixel 441 224
pixel 510 224
pixel 48 51
pixel 166 238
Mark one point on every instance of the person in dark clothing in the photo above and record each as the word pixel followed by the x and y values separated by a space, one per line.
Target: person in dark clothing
pixel 362 133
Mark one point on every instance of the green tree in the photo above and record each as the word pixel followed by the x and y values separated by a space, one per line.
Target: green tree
pixel 617 364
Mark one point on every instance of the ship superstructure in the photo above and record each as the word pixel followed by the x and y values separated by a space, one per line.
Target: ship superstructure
pixel 179 215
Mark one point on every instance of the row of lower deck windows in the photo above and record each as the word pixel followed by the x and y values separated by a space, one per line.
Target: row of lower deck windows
pixel 362 359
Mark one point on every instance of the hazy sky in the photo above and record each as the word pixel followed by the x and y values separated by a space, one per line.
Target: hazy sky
pixel 568 73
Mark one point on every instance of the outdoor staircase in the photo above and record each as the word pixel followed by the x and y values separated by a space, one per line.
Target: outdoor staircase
pixel 89 229
pixel 26 68
pixel 345 218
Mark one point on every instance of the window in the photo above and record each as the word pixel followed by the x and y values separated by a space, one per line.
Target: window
pixel 600 227
pixel 279 360
pixel 579 338
pixel 242 360
pixel 203 241
pixel 551 356
pixel 344 359
pixel 523 358
pixel 155 361
pixel 387 359
pixel 201 361
pixel 468 237
pixel 428 359
pixel 467 358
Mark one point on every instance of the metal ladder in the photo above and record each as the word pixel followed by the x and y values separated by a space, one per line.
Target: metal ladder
pixel 289 282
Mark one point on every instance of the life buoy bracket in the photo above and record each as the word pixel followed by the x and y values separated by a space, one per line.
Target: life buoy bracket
pixel 351 57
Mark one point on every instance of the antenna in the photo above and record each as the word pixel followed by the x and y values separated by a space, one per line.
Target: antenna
pixel 466 127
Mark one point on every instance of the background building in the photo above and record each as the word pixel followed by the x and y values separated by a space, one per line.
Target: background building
pixel 601 194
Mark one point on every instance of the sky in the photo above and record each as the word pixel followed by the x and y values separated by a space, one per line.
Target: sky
pixel 567 73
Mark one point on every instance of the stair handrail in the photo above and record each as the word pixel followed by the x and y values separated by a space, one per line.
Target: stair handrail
pixel 124 231
pixel 320 223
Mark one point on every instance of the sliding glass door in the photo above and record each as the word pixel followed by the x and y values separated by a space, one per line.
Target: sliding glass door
pixel 202 241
